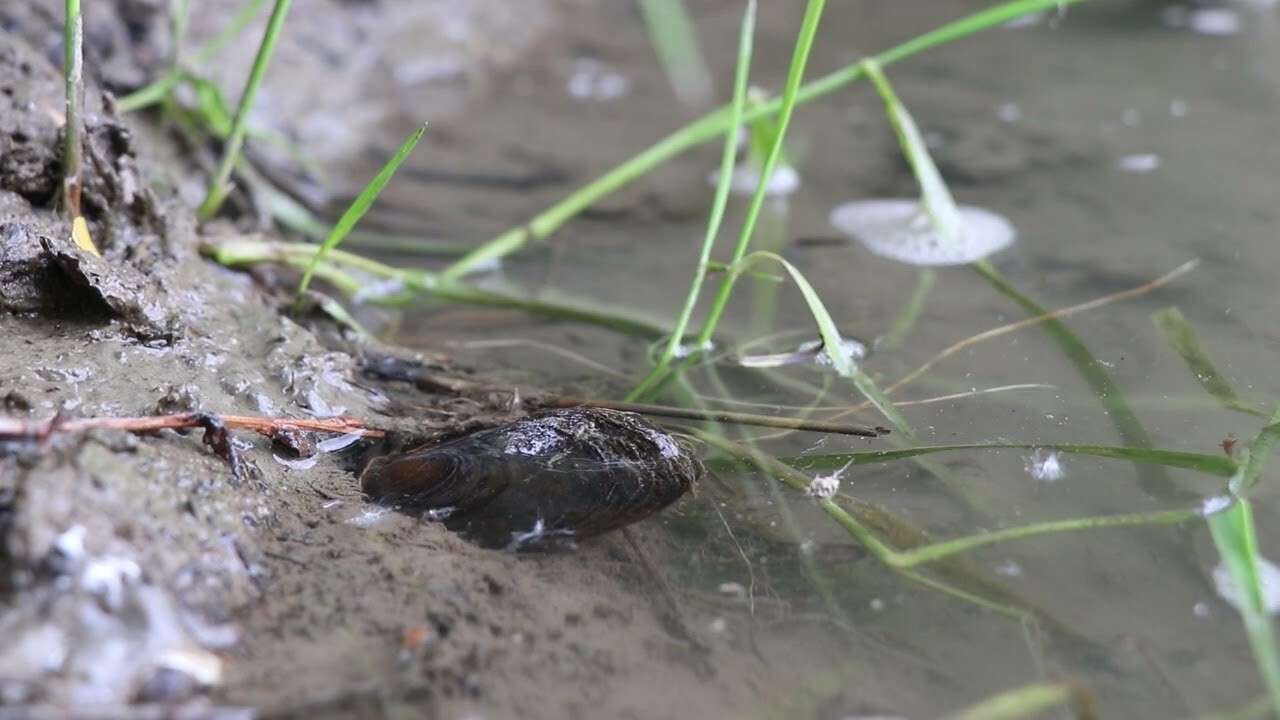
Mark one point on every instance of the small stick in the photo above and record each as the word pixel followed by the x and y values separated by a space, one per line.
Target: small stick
pixel 15 428
pixel 1165 279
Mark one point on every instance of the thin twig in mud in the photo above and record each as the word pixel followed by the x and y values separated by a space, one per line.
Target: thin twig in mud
pixel 16 428
pixel 1161 281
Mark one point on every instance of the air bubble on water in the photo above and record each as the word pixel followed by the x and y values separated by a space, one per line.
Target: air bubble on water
pixel 900 229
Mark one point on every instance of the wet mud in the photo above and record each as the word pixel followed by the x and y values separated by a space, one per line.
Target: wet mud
pixel 139 574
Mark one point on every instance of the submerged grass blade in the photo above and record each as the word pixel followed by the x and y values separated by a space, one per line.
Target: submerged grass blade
pixel 1030 701
pixel 1177 331
pixel 360 206
pixel 1153 478
pixel 675 41
pixel 219 188
pixel 1237 543
pixel 939 550
pixel 1216 465
pixel 884 535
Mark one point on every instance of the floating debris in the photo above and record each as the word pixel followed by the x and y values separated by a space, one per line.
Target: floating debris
pixel 1044 465
pixel 901 230
pixel 809 351
pixel 1138 162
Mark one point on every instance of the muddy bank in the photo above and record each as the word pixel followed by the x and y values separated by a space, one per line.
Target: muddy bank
pixel 140 571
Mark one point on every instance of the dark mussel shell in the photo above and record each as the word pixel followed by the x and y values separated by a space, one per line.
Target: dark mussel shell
pixel 550 477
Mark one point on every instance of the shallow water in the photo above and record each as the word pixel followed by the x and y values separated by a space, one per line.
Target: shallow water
pixel 1121 143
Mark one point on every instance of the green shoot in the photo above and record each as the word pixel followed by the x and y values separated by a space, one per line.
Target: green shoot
pixel 220 187
pixel 360 206
pixel 1237 543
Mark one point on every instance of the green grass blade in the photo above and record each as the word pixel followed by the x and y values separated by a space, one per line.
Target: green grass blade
pixel 360 205
pixel 231 153
pixel 1237 543
pixel 717 122
pixel 675 41
pixel 1215 465
pixel 741 75
pixel 840 361
pixel 786 106
pixel 1030 701
pixel 1178 333
pixel 1259 451
pixel 935 196
pixel 939 550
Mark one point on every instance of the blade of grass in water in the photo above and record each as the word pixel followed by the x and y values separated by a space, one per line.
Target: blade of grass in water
pixel 1237 543
pixel 1030 701
pixel 219 188
pixel 717 122
pixel 360 206
pixel 718 206
pixel 1152 478
pixel 834 344
pixel 1178 333
pixel 1215 465
pixel 786 106
pixel 676 43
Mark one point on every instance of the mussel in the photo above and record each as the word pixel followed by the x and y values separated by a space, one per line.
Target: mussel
pixel 552 477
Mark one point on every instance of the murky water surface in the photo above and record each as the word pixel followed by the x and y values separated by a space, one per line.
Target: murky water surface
pixel 1122 140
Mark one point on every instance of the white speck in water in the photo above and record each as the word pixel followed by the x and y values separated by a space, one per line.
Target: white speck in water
pixel 717 626
pixel 1215 21
pixel 734 590
pixel 1044 465
pixel 746 178
pixel 825 487
pixel 1130 117
pixel 1202 610
pixel 369 517
pixel 591 80
pixel 1215 504
pixel 1009 113
pixel 876 604
pixel 900 229
pixel 1268 579
pixel 1008 568
pixel 1138 162
pixel 1178 108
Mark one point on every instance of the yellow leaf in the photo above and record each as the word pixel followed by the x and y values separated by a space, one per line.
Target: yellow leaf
pixel 80 233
